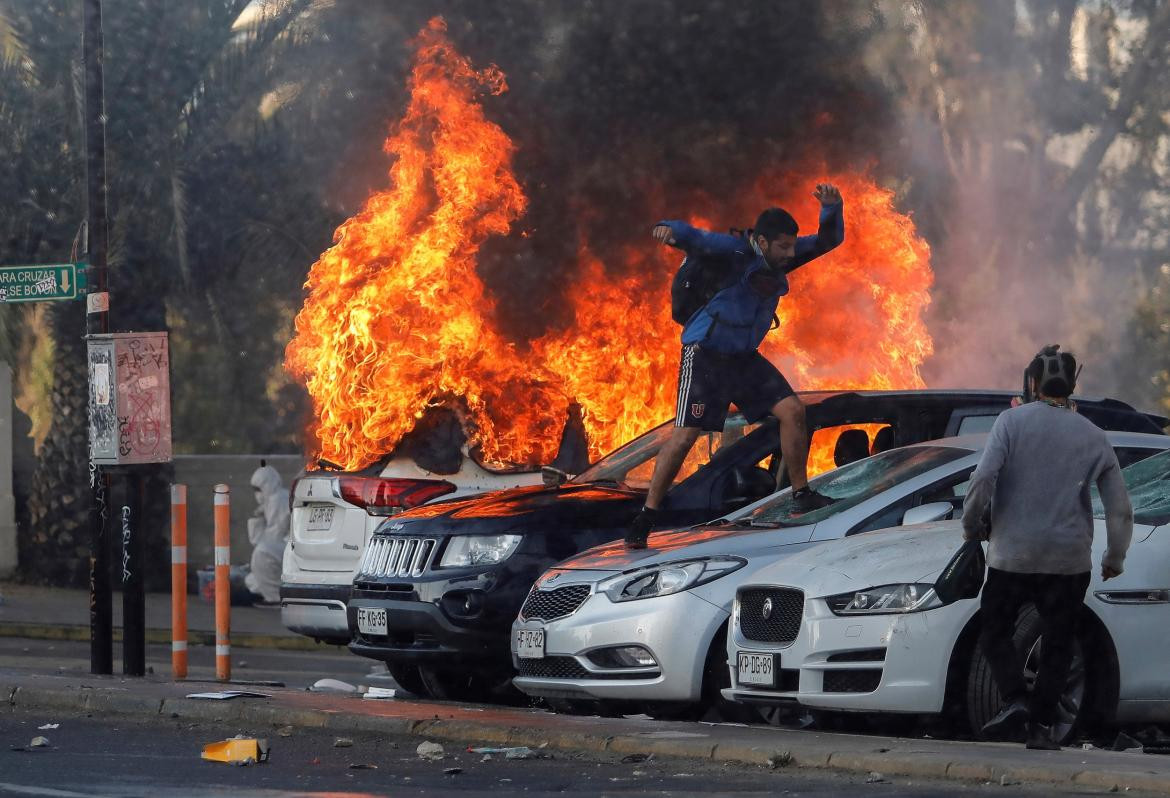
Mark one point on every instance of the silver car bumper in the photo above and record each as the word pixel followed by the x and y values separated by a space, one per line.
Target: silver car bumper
pixel 677 630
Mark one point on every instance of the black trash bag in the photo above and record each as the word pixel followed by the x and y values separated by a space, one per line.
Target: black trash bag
pixel 963 576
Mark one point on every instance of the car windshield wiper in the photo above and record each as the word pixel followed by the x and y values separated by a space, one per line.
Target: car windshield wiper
pixel 765 524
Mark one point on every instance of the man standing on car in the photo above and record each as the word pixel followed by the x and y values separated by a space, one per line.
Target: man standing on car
pixel 1029 498
pixel 721 363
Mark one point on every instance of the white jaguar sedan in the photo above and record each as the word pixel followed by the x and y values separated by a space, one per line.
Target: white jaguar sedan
pixel 854 625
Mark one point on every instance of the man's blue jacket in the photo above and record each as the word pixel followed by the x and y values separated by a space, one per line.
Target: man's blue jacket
pixel 738 317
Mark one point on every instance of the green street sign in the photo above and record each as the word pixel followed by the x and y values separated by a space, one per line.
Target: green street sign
pixel 41 283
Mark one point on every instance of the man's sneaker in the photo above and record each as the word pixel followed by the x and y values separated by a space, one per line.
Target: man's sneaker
pixel 806 500
pixel 640 527
pixel 1041 738
pixel 1009 721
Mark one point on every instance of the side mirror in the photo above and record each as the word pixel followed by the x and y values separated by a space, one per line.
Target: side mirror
pixel 554 476
pixel 925 513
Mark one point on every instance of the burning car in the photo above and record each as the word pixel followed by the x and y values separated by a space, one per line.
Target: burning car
pixel 854 625
pixel 440 585
pixel 603 625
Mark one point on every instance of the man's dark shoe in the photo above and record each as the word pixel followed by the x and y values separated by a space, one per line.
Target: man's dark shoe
pixel 806 500
pixel 1041 738
pixel 1009 721
pixel 640 527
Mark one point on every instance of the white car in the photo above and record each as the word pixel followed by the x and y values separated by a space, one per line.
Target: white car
pixel 333 518
pixel 650 626
pixel 854 625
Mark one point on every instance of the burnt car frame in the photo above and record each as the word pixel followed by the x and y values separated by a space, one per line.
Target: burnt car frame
pixel 440 615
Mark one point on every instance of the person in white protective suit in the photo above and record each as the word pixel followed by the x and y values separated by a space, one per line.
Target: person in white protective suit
pixel 268 532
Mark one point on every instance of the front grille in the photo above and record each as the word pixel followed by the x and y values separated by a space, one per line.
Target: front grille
pixel 785 607
pixel 852 681
pixel 548 605
pixel 393 556
pixel 553 668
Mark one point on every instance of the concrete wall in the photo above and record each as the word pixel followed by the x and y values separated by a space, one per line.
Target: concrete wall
pixel 200 473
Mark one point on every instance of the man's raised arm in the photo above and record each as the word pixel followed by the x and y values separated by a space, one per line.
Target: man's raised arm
pixel 691 239
pixel 831 232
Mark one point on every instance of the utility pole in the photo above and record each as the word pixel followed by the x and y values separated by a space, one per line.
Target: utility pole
pixel 101 620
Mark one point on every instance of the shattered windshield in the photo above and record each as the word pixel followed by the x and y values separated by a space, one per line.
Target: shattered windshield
pixel 633 464
pixel 1148 483
pixel 852 484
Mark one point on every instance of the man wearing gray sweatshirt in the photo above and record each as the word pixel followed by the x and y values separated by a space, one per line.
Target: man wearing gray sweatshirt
pixel 1029 498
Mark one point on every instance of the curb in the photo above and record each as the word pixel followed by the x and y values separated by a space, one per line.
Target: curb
pixel 79 633
pixel 919 765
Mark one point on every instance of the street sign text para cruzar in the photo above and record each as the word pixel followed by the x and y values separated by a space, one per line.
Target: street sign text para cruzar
pixel 40 283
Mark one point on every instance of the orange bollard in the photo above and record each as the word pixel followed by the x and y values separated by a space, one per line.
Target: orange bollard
pixel 179 581
pixel 223 584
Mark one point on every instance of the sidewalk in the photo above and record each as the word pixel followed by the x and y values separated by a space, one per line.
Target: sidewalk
pixel 474 725
pixel 52 613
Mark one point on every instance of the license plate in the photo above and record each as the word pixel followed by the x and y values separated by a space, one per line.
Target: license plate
pixel 371 620
pixel 530 643
pixel 320 517
pixel 757 669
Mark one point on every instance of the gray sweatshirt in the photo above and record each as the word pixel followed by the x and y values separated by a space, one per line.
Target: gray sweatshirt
pixel 1034 477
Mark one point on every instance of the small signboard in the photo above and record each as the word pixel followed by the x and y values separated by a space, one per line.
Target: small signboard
pixel 129 398
pixel 40 283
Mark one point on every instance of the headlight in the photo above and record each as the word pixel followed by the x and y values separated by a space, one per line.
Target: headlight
pixel 672 577
pixel 464 550
pixel 885 600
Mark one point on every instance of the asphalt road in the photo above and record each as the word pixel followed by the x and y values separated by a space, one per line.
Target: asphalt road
pixel 136 758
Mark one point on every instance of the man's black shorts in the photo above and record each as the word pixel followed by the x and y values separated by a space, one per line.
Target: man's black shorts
pixel 709 382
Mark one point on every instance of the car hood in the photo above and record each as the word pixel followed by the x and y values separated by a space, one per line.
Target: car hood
pixel 535 508
pixel 672 545
pixel 886 557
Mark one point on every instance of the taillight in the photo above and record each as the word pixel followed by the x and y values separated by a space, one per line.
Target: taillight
pixel 389 496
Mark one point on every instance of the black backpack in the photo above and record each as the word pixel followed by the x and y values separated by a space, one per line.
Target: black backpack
pixel 701 277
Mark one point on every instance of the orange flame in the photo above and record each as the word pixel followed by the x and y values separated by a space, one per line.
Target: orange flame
pixel 397 320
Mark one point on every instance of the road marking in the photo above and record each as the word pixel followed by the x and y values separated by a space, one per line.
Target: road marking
pixel 21 789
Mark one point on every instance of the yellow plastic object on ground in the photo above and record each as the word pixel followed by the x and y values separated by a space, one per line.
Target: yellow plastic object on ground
pixel 237 750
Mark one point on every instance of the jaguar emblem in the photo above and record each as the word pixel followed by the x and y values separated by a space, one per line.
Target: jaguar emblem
pixel 766 610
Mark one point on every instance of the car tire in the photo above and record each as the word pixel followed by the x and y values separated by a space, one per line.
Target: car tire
pixel 408 678
pixel 711 705
pixel 481 686
pixel 983 701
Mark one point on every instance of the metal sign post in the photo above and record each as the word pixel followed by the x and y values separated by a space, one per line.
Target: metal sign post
pixel 101 616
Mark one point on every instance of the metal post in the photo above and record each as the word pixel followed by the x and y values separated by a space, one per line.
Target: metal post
pixel 101 620
pixel 179 581
pixel 223 584
pixel 133 583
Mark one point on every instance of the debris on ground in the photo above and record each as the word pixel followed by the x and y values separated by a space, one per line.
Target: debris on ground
pixel 39 742
pixel 343 742
pixel 48 726
pixel 487 758
pixel 363 766
pixel 631 759
pixel 224 695
pixel 452 771
pixel 874 778
pixel 1124 742
pixel 237 751
pixel 522 752
pixel 780 760
pixel 380 692
pixel 285 731
pixel 1004 781
pixel 332 686
pixel 432 752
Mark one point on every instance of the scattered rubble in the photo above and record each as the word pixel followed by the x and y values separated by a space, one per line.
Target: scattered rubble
pixel 432 752
pixel 237 751
pixel 332 686
pixel 343 742
pixel 875 778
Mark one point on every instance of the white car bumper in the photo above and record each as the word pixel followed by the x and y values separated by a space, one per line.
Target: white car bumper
pixel 876 663
pixel 676 630
pixel 312 603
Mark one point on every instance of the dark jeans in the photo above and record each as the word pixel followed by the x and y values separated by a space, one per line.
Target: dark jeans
pixel 1058 599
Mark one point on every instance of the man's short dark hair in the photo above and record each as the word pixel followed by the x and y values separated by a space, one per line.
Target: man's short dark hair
pixel 775 222
pixel 1055 372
